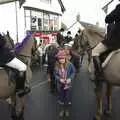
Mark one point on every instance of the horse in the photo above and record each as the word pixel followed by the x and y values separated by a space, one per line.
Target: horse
pixel 51 52
pixel 8 81
pixel 111 74
pixel 35 56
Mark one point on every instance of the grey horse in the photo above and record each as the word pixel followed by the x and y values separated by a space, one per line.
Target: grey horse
pixel 111 73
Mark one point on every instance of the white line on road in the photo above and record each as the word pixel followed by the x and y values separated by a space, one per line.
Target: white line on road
pixel 39 84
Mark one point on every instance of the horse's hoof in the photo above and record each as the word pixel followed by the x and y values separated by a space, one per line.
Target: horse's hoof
pixel 108 112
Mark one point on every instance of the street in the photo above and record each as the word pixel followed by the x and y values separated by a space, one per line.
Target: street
pixel 41 104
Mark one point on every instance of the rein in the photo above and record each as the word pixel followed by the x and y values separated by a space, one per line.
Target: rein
pixel 24 55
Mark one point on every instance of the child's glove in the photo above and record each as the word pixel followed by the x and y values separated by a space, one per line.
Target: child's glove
pixel 68 81
pixel 62 81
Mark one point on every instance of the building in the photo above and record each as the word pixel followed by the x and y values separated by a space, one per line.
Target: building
pixel 108 6
pixel 33 15
pixel 80 24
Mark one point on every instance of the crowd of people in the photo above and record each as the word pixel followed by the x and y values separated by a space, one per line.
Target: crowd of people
pixel 61 69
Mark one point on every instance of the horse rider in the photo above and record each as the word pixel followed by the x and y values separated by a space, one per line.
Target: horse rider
pixel 60 37
pixel 111 42
pixel 68 38
pixel 7 58
pixel 51 64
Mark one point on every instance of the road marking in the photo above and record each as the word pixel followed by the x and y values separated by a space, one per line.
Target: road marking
pixel 39 84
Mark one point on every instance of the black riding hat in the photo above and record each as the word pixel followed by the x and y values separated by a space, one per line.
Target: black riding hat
pixel 69 32
pixel 62 30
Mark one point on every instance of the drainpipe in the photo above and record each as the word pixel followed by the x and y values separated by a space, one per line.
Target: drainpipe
pixel 16 13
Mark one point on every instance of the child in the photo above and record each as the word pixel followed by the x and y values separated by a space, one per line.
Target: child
pixel 64 74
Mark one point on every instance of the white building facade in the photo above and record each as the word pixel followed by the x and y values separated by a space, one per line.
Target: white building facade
pixel 34 15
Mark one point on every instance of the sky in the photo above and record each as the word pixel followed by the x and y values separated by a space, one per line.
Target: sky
pixel 90 11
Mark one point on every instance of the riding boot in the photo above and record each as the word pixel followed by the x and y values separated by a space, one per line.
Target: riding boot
pixel 21 90
pixel 26 87
pixel 20 84
pixel 98 68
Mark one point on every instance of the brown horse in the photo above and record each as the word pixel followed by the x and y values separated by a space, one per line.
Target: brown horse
pixel 111 73
pixel 7 85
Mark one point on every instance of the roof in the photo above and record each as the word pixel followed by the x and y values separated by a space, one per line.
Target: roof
pixel 6 1
pixel 93 27
pixel 77 25
pixel 94 32
pixel 22 1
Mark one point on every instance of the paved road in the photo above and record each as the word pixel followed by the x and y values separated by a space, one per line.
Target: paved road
pixel 41 104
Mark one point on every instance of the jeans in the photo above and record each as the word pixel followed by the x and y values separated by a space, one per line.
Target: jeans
pixel 100 48
pixel 65 95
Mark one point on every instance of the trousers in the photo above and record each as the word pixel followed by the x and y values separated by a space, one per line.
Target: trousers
pixel 100 48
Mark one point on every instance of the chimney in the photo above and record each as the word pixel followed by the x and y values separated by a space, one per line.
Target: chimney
pixel 78 17
pixel 97 24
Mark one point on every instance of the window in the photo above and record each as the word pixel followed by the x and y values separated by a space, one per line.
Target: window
pixel 51 22
pixel 56 22
pixel 41 21
pixel 36 20
pixel 46 22
pixel 33 20
pixel 27 19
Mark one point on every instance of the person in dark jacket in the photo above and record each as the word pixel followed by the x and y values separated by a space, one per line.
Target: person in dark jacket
pixel 68 38
pixel 60 37
pixel 112 41
pixel 7 58
pixel 51 64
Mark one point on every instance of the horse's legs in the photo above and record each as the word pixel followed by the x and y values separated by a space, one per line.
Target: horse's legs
pixel 89 60
pixel 99 98
pixel 17 107
pixel 108 109
pixel 81 60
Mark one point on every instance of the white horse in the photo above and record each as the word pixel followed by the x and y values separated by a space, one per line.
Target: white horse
pixel 111 71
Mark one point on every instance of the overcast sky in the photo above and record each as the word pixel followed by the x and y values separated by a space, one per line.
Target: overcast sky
pixel 90 11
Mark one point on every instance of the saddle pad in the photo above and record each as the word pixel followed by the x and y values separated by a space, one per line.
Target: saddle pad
pixel 109 57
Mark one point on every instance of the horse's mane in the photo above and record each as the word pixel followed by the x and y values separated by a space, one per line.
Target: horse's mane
pixel 19 46
pixel 94 36
pixel 93 32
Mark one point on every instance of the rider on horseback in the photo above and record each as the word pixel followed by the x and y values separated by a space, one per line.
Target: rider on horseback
pixel 7 58
pixel 60 37
pixel 68 38
pixel 112 41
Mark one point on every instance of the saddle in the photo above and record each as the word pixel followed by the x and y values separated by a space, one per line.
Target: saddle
pixel 106 56
pixel 12 73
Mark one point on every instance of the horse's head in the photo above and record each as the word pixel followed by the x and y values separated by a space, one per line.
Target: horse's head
pixel 92 37
pixel 24 48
